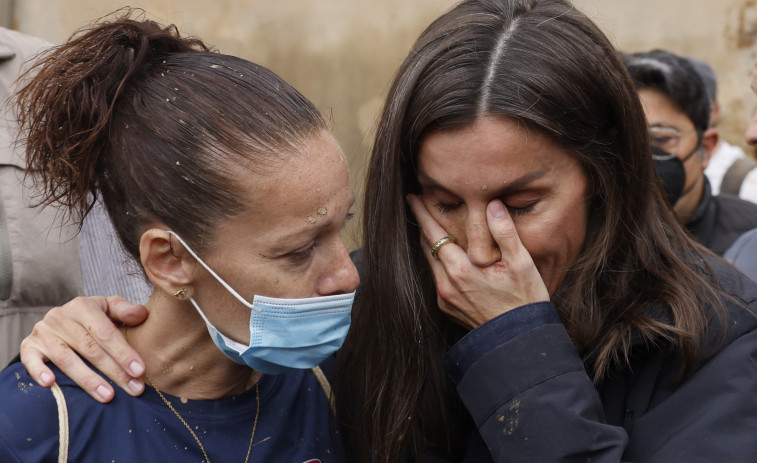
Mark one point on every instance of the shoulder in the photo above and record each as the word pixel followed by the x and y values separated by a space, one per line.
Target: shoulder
pixel 20 43
pixel 731 281
pixel 16 51
pixel 298 387
pixel 19 392
pixel 749 186
pixel 737 210
pixel 743 253
pixel 739 298
pixel 733 217
pixel 28 416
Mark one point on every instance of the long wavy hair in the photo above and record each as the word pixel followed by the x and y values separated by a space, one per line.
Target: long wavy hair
pixel 546 65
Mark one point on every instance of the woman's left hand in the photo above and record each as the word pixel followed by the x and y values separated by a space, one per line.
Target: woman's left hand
pixel 474 295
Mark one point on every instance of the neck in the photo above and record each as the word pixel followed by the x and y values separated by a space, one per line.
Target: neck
pixel 180 358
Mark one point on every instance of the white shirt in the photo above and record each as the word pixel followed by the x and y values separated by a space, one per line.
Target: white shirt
pixel 719 163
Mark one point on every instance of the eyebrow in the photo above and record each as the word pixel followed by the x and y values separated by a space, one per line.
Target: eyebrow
pixel 503 191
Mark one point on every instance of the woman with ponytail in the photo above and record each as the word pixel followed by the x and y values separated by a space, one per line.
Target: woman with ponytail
pixel 225 183
pixel 528 293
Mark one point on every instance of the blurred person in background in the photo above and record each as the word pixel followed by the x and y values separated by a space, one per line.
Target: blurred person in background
pixel 742 252
pixel 43 263
pixel 729 170
pixel 677 109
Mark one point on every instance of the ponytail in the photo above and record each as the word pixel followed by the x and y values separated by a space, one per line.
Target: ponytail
pixel 156 125
pixel 65 111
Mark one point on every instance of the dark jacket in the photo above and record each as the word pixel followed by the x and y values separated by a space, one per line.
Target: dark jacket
pixel 719 220
pixel 529 394
pixel 743 254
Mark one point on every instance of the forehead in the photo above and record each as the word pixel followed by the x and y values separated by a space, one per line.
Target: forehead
pixel 660 109
pixel 488 141
pixel 299 189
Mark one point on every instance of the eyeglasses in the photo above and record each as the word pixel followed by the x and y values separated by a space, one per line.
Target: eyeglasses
pixel 666 138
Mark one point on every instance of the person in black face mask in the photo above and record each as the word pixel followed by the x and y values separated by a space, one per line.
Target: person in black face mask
pixel 672 173
pixel 678 110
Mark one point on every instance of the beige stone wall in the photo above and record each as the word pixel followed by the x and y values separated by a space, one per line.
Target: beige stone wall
pixel 342 53
pixel 721 32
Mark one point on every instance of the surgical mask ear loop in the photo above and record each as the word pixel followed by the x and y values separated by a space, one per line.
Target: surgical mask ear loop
pixel 210 270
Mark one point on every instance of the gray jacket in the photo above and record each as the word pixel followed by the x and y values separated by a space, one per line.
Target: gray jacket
pixel 743 254
pixel 39 260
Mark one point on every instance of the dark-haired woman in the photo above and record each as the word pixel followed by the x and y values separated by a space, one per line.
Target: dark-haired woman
pixel 514 134
pixel 225 183
pixel 528 294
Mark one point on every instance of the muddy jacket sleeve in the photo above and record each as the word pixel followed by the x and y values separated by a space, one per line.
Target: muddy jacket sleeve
pixel 526 388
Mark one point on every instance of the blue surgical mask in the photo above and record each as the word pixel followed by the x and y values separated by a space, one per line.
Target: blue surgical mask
pixel 284 333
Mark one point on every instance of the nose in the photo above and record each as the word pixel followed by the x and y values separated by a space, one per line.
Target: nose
pixel 751 131
pixel 340 275
pixel 482 249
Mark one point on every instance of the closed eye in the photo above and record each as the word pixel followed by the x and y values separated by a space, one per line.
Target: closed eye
pixel 302 254
pixel 446 208
pixel 518 211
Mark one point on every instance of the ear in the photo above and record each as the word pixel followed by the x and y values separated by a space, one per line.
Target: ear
pixel 710 139
pixel 165 263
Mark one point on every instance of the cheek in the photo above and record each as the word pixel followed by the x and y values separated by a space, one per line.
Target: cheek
pixel 454 224
pixel 554 243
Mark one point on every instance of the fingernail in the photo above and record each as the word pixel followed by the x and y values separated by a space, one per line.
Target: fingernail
pixel 498 210
pixel 103 392
pixel 46 378
pixel 136 368
pixel 135 386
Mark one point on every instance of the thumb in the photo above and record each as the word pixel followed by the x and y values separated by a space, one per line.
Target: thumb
pixel 503 230
pixel 123 311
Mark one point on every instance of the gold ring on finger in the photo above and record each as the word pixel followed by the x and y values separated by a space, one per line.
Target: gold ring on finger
pixel 435 248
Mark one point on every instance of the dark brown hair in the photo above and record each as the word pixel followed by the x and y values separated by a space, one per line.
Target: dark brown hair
pixel 546 65
pixel 154 123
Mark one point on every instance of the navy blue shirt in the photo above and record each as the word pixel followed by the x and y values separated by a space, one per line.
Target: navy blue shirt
pixel 293 425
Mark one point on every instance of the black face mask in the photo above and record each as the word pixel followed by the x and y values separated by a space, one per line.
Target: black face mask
pixel 671 171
